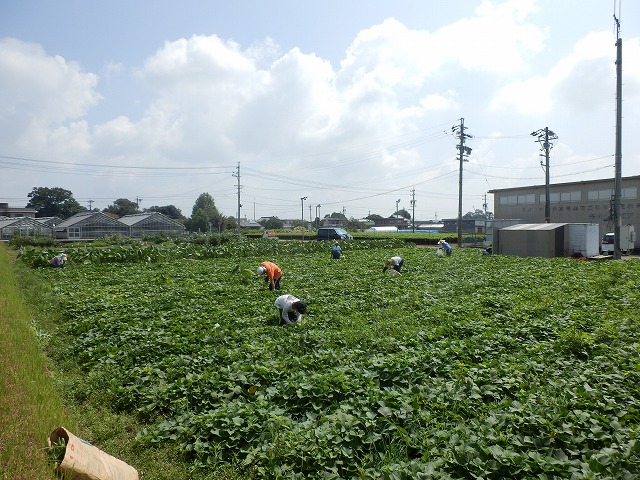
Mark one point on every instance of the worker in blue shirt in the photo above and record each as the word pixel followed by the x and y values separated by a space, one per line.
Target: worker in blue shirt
pixel 445 246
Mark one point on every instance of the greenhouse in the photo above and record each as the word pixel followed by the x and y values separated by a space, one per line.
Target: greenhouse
pixel 89 225
pixel 152 223
pixel 23 226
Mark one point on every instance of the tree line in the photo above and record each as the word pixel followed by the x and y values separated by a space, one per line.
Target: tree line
pixel 59 202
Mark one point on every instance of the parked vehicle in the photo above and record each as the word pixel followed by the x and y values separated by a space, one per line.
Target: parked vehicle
pixel 627 241
pixel 333 234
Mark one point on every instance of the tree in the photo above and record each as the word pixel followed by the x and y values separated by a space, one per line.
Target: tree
pixel 478 215
pixel 403 213
pixel 53 202
pixel 170 211
pixel 376 219
pixel 205 217
pixel 229 223
pixel 122 207
pixel 272 223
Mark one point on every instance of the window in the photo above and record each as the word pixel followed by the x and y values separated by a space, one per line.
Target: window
pixel 527 199
pixel 509 200
pixel 601 195
pixel 553 198
pixel 569 196
pixel 630 193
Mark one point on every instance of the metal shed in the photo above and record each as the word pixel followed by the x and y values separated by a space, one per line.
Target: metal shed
pixel 152 223
pixel 89 225
pixel 548 240
pixel 23 226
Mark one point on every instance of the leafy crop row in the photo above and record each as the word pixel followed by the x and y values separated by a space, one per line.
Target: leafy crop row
pixel 136 253
pixel 468 366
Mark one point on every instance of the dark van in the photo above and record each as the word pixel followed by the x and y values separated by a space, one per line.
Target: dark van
pixel 333 234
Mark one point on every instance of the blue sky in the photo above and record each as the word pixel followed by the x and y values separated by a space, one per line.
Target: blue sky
pixel 348 103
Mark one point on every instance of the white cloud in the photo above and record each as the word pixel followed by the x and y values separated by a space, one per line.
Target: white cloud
pixel 436 101
pixel 39 94
pixel 582 81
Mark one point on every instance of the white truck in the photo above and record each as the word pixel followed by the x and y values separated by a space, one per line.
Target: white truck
pixel 627 241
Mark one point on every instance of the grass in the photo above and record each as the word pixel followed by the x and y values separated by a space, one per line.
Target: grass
pixel 30 405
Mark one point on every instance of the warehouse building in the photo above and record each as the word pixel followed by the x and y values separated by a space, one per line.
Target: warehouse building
pixel 572 202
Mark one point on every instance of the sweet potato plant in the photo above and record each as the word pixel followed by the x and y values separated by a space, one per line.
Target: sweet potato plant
pixel 468 366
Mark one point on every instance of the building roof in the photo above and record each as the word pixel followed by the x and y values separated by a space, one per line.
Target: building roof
pixel 535 226
pixel 51 221
pixel 87 217
pixel 8 221
pixel 581 182
pixel 139 218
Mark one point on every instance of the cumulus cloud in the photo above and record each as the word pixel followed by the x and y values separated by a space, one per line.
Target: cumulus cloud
pixel 583 80
pixel 39 95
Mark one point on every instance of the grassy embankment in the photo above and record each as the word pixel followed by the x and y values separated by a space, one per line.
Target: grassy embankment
pixel 30 406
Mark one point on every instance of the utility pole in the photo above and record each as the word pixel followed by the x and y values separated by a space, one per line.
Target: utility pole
pixel 463 152
pixel 545 137
pixel 302 199
pixel 237 175
pixel 138 200
pixel 617 199
pixel 413 209
pixel 90 204
pixel 318 215
pixel 310 218
pixel 397 203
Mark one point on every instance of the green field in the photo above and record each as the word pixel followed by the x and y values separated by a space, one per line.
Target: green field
pixel 468 366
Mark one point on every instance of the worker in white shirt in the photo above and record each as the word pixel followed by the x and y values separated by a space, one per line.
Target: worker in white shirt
pixel 290 307
pixel 58 260
pixel 394 263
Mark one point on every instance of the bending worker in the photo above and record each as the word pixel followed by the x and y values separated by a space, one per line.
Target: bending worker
pixel 395 263
pixel 58 260
pixel 445 246
pixel 272 274
pixel 291 308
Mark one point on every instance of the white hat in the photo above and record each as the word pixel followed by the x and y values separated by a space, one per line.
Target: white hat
pixel 260 270
pixel 440 242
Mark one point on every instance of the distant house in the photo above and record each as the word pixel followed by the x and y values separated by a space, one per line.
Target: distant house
pixel 250 224
pixel 23 226
pixel 152 223
pixel 334 221
pixel 7 211
pixel 89 225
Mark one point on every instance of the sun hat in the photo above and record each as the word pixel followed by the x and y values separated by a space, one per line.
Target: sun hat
pixel 260 270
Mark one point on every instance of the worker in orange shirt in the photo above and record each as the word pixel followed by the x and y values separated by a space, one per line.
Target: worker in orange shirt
pixel 272 274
